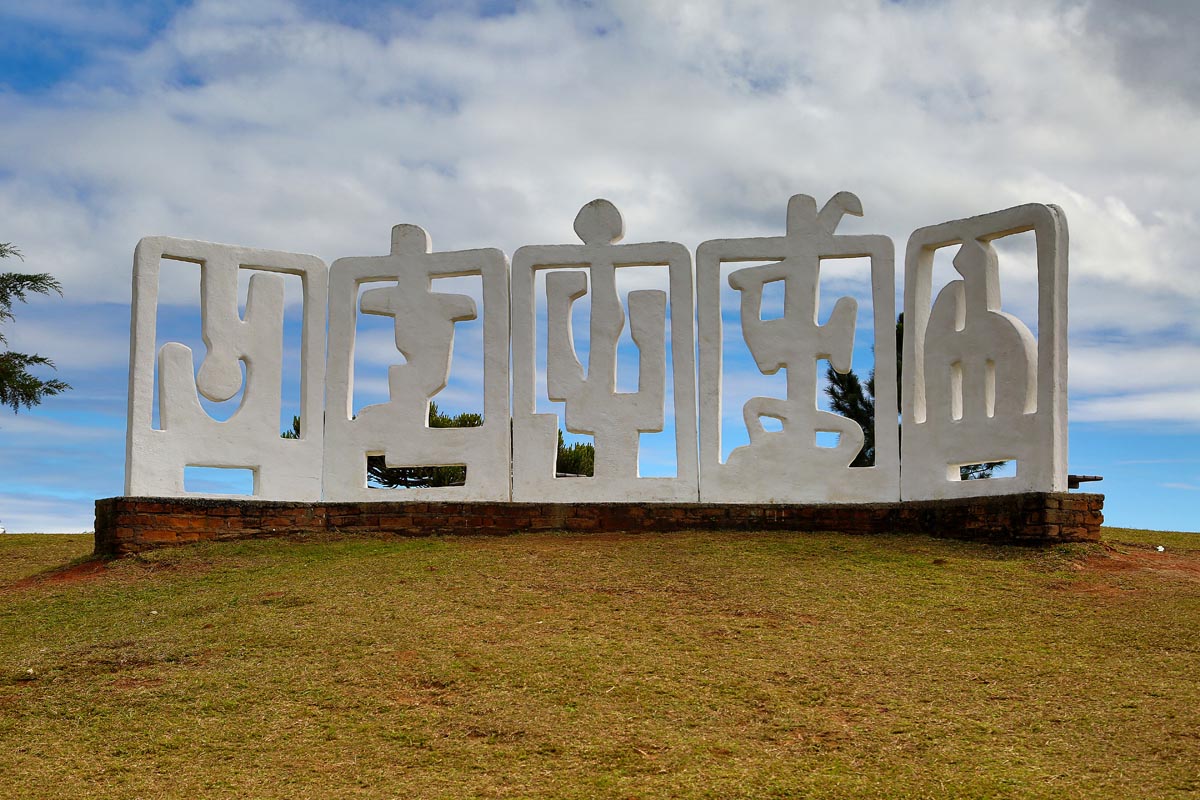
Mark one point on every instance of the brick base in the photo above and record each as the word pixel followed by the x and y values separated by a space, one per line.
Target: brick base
pixel 132 524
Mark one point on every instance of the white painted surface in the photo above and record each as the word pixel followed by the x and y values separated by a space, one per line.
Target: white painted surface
pixel 977 386
pixel 424 332
pixel 284 469
pixel 593 406
pixel 787 465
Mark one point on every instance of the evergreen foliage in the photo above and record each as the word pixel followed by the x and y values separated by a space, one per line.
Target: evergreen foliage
pixel 578 459
pixel 18 387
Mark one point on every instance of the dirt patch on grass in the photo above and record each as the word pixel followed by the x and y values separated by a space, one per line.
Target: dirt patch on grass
pixel 1178 565
pixel 84 571
pixel 1114 573
pixel 90 570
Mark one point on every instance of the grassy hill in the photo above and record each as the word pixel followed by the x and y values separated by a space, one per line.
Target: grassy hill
pixel 667 665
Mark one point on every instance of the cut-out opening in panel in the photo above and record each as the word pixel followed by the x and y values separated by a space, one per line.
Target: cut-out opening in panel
pixel 631 279
pixel 1016 258
pixel 423 476
pixel 374 351
pixel 770 424
pixel 740 378
pixel 982 470
pixel 219 480
pixel 943 274
pixel 956 390
pixel 850 397
pixel 293 340
pixel 464 389
pixel 989 387
pixel 580 336
pixel 656 449
pixel 774 297
pixel 292 390
pixel 656 452
pixel 843 277
pixel 182 321
pixel 576 455
pixel 830 439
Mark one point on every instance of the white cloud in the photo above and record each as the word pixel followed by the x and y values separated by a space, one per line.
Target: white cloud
pixel 1164 406
pixel 1110 368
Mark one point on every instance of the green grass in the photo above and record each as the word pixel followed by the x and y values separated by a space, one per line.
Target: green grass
pixel 673 665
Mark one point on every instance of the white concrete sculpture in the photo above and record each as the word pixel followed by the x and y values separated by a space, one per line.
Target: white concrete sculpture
pixel 593 406
pixel 977 386
pixel 284 469
pixel 424 331
pixel 787 465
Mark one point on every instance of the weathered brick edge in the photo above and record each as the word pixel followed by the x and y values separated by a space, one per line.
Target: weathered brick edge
pixel 132 524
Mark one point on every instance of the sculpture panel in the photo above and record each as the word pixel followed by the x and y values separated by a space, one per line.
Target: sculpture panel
pixel 593 406
pixel 787 465
pixel 978 387
pixel 284 469
pixel 424 321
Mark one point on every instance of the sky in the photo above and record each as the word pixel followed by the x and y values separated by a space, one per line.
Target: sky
pixel 313 127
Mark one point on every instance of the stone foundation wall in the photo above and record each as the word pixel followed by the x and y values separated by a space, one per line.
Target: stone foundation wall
pixel 132 524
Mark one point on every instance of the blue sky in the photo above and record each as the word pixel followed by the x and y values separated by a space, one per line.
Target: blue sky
pixel 315 126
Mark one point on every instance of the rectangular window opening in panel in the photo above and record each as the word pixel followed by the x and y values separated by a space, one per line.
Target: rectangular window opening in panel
pixel 219 480
pixel 425 476
pixel 576 455
pixel 982 470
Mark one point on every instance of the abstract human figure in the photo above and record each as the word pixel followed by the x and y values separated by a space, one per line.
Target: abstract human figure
pixel 981 387
pixel 283 468
pixel 424 323
pixel 593 405
pixel 788 465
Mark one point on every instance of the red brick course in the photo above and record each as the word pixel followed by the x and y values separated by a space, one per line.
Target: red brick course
pixel 132 524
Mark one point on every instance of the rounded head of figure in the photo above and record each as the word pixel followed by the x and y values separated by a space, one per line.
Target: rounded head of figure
pixel 410 239
pixel 599 222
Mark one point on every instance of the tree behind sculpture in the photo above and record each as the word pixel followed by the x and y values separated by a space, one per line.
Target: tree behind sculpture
pixel 576 459
pixel 849 397
pixel 19 388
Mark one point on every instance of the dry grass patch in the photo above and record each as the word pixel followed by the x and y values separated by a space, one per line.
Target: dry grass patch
pixel 675 665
